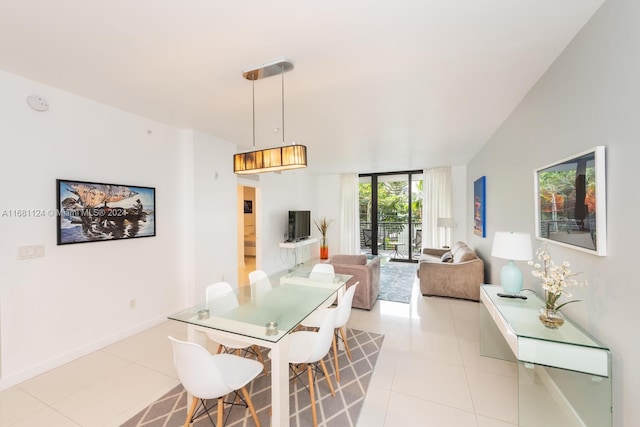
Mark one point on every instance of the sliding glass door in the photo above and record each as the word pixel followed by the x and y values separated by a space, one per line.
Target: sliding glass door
pixel 391 214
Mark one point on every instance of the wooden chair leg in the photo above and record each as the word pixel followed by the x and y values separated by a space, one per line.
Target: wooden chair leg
pixel 313 397
pixel 326 375
pixel 247 398
pixel 335 358
pixel 220 411
pixel 259 353
pixel 343 333
pixel 192 409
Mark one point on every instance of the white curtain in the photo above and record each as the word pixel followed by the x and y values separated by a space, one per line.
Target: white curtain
pixel 437 204
pixel 349 218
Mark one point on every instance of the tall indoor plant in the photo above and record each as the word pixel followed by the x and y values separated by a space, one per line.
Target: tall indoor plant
pixel 323 224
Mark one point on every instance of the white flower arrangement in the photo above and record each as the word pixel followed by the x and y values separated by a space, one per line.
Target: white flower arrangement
pixel 555 279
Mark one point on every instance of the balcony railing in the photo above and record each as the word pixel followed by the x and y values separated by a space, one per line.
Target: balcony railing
pixel 394 238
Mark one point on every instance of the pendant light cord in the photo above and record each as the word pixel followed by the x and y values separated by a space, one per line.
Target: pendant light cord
pixel 282 67
pixel 253 102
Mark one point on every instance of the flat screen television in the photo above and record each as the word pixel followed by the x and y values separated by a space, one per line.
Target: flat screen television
pixel 299 225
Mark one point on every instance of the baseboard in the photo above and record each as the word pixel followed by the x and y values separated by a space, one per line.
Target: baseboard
pixel 55 362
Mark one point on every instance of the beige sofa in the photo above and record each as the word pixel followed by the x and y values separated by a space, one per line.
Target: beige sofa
pixel 365 270
pixel 459 277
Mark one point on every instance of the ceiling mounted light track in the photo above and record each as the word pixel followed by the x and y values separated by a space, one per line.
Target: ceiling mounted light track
pixel 286 157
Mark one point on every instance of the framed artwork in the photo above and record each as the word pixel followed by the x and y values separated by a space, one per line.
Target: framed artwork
pixel 248 206
pixel 94 212
pixel 570 202
pixel 480 207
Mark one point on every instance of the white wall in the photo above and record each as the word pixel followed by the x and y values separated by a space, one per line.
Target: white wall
pixel 214 214
pixel 588 97
pixel 276 195
pixel 77 298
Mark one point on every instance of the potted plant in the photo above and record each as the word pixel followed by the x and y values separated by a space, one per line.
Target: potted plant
pixel 555 279
pixel 323 224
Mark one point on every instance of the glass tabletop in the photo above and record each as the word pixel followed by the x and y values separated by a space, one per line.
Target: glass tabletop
pixel 265 311
pixel 522 317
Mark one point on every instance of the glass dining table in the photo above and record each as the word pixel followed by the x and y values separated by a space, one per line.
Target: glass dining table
pixel 265 315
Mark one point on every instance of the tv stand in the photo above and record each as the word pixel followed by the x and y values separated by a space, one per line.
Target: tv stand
pixel 298 244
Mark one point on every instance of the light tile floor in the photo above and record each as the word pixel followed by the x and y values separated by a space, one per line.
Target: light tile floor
pixel 429 373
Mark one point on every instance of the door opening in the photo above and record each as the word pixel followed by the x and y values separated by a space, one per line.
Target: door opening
pixel 391 214
pixel 247 233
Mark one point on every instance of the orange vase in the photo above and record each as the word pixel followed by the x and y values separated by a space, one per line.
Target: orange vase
pixel 324 249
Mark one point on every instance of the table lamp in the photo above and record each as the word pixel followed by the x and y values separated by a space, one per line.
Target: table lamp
pixel 446 223
pixel 513 246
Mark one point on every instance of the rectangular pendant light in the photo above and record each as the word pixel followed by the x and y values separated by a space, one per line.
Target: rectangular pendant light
pixel 270 160
pixel 281 158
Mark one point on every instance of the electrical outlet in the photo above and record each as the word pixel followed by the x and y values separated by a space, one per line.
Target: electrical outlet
pixel 132 303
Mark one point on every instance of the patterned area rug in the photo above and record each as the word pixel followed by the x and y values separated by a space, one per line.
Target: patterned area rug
pixel 339 411
pixel 396 281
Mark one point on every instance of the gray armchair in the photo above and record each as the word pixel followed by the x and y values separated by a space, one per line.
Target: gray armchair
pixel 365 270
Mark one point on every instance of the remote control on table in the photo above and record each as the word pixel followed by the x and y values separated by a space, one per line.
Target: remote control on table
pixel 511 296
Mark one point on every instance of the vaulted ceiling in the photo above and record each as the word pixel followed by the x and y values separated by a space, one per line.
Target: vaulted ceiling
pixel 377 85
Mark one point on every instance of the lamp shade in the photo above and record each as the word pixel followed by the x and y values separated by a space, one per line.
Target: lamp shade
pixel 512 245
pixel 270 159
pixel 446 222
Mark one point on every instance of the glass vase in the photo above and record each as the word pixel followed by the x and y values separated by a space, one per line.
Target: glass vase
pixel 324 249
pixel 551 318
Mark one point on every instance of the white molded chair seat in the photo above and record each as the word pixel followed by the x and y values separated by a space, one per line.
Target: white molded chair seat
pixel 220 297
pixel 207 376
pixel 315 319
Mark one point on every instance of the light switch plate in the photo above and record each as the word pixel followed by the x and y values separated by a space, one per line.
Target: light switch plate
pixel 30 251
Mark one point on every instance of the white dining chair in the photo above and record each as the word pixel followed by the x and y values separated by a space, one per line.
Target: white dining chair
pixel 315 319
pixel 206 376
pixel 260 282
pixel 324 272
pixel 220 297
pixel 310 347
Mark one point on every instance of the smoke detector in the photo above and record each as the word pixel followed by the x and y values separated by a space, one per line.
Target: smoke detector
pixel 38 103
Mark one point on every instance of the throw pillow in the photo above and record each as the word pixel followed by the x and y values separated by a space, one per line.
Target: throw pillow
pixel 446 257
pixel 465 254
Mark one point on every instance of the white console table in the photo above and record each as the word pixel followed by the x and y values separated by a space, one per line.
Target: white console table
pixel 296 247
pixel 564 374
pixel 298 244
